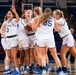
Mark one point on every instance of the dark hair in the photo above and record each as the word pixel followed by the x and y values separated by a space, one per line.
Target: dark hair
pixel 12 13
pixel 19 12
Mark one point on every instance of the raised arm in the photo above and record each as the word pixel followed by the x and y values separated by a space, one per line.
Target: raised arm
pixel 14 11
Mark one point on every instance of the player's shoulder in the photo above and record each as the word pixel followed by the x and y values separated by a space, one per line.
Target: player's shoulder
pixel 5 22
pixel 36 19
pixel 13 19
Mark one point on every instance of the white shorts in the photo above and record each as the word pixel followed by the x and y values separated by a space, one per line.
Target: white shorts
pixel 31 41
pixel 9 43
pixel 23 44
pixel 68 40
pixel 50 43
pixel 22 36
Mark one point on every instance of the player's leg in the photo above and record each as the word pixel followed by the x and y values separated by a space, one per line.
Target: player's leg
pixel 31 60
pixel 27 60
pixel 7 60
pixel 7 48
pixel 14 56
pixel 52 48
pixel 27 55
pixel 57 60
pixel 68 43
pixel 14 51
pixel 40 49
pixel 22 55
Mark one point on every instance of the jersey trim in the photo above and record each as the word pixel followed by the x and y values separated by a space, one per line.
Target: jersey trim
pixel 22 22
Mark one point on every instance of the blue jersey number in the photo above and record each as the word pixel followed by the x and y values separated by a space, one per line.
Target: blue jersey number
pixel 7 30
pixel 49 23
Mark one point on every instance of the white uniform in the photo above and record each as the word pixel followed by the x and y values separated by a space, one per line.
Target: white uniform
pixel 65 33
pixel 23 41
pixel 11 34
pixel 31 35
pixel 44 34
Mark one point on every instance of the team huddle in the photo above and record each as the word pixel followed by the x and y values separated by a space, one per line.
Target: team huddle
pixel 26 40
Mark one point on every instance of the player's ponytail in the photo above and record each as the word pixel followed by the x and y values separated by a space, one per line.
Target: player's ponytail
pixel 46 15
pixel 40 11
pixel 62 15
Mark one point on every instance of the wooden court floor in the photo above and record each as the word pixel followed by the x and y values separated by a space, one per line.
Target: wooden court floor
pixel 72 69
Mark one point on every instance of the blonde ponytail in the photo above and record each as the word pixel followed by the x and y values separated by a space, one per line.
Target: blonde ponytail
pixel 40 11
pixel 46 15
pixel 62 14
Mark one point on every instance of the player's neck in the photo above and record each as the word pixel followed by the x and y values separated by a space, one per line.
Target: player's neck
pixel 9 20
pixel 28 19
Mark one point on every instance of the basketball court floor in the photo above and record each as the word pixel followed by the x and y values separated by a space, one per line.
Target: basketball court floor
pixel 71 68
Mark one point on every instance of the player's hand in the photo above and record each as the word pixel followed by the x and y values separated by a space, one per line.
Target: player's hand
pixel 13 9
pixel 26 22
pixel 5 38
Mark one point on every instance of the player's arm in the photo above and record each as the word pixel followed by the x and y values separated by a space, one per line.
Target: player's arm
pixel 56 26
pixel 35 24
pixel 27 23
pixel 27 26
pixel 14 11
pixel 3 27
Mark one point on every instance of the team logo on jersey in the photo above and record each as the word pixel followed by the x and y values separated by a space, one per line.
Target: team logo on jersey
pixel 17 25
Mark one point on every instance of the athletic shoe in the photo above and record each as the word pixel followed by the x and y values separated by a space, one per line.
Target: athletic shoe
pixel 36 70
pixel 48 68
pixel 16 73
pixel 30 71
pixel 43 72
pixel 66 73
pixel 8 71
pixel 26 71
pixel 22 71
pixel 61 73
pixel 39 71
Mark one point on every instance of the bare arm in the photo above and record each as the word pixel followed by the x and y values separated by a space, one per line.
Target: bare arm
pixel 14 11
pixel 56 26
pixel 35 24
pixel 27 26
pixel 30 25
pixel 3 30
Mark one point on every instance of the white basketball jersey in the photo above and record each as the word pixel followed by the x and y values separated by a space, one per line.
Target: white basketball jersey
pixel 63 29
pixel 11 28
pixel 45 31
pixel 21 30
pixel 21 25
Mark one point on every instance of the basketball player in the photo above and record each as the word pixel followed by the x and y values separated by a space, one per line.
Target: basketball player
pixel 7 60
pixel 29 20
pixel 45 39
pixel 9 39
pixel 23 43
pixel 65 34
pixel 37 14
